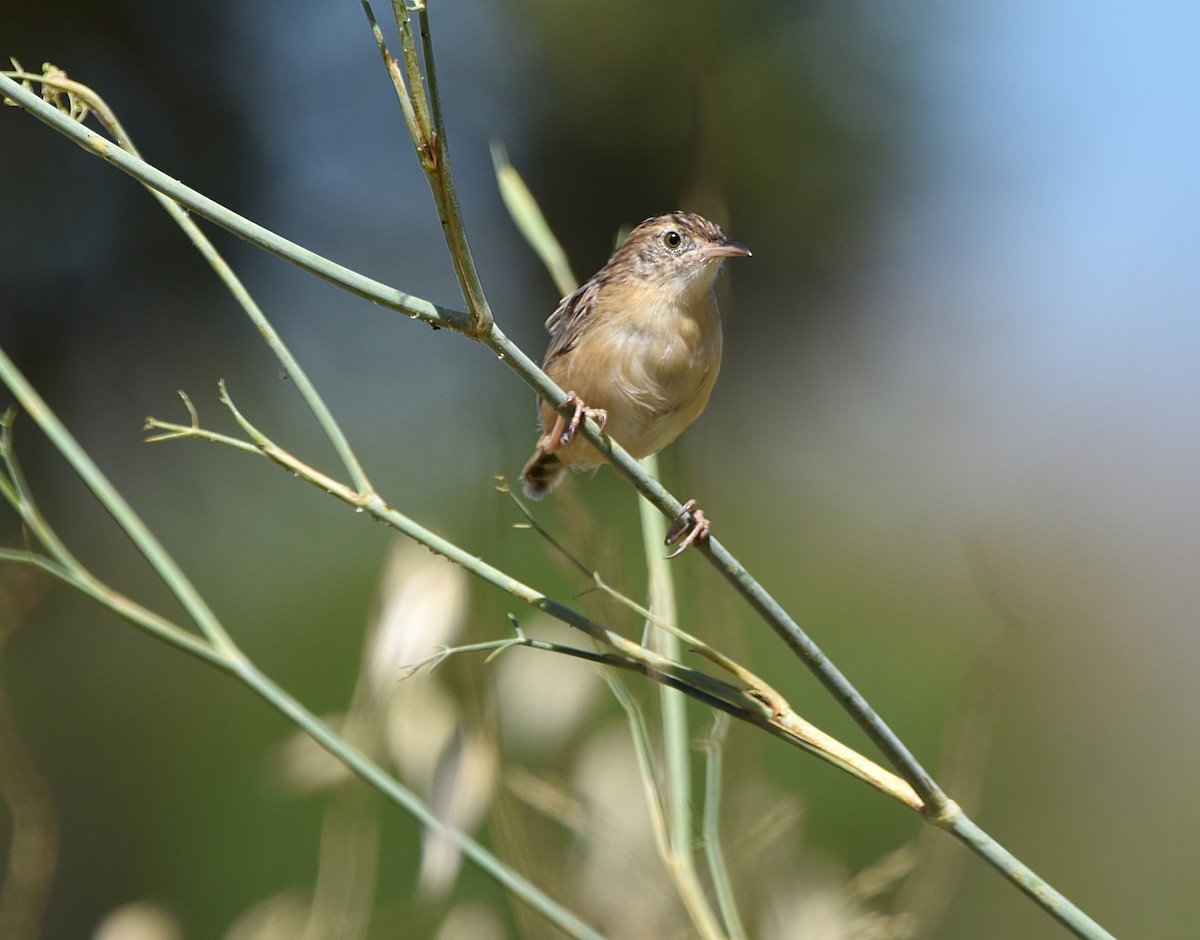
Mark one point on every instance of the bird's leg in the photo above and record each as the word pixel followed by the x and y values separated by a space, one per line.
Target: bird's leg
pixel 563 431
pixel 693 529
pixel 581 411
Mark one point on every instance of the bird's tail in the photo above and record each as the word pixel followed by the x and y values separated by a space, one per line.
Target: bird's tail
pixel 543 472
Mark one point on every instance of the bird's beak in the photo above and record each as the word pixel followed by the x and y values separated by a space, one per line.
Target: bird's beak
pixel 725 249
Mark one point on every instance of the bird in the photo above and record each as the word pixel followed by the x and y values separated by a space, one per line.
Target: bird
pixel 639 347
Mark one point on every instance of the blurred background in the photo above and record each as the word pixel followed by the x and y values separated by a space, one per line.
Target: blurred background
pixel 957 432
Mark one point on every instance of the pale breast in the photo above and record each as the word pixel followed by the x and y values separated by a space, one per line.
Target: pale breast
pixel 665 372
pixel 649 364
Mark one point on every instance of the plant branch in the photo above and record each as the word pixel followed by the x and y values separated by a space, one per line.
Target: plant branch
pixel 758 597
pixel 421 105
pixel 216 648
pixel 1040 891
pixel 714 748
pixel 673 709
pixel 927 798
pixel 240 226
pixel 108 497
pixel 757 703
pixel 677 859
pixel 382 781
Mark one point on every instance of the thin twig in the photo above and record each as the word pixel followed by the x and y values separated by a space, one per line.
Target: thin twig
pixel 531 522
pixel 217 649
pixel 758 703
pixel 106 494
pixel 678 861
pixel 726 903
pixel 421 105
pixel 240 226
pixel 216 261
pixel 675 735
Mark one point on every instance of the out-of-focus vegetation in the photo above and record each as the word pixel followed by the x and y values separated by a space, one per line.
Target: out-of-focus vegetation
pixel 956 431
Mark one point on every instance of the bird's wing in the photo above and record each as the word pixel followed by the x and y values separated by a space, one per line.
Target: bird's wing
pixel 570 319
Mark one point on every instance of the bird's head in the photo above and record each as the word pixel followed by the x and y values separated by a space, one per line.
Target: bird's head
pixel 677 251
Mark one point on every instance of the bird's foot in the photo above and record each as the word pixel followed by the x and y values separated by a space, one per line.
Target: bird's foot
pixel 564 430
pixel 687 531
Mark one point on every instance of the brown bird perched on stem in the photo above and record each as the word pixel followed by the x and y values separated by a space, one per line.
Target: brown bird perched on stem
pixel 639 347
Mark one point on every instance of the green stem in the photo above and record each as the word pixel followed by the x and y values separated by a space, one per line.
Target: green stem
pixel 937 806
pixel 674 715
pixel 767 607
pixel 682 872
pixel 240 226
pixel 294 371
pixel 225 273
pixel 527 215
pixel 374 775
pixel 81 580
pixel 108 497
pixel 1033 885
pixel 762 602
pixel 676 739
pixel 441 177
pixel 222 652
pixel 712 829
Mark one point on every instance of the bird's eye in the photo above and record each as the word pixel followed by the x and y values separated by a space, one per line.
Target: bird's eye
pixel 672 239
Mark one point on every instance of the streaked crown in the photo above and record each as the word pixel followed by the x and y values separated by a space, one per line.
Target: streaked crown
pixel 676 250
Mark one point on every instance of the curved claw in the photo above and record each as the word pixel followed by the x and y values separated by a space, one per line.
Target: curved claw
pixel 687 531
pixel 563 431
